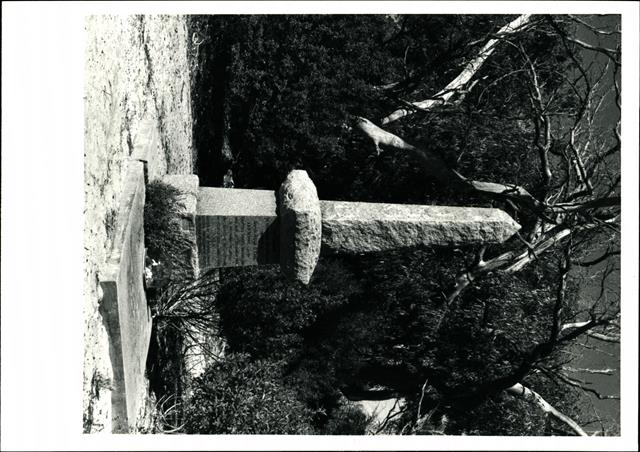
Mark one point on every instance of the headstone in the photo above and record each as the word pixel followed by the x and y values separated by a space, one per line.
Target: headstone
pixel 252 227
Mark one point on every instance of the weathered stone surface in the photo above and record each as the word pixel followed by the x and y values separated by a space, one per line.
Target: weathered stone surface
pixel 188 185
pixel 300 226
pixel 124 305
pixel 244 227
pixel 236 227
pixel 355 227
pixel 147 142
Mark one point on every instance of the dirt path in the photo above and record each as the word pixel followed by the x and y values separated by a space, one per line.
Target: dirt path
pixel 136 68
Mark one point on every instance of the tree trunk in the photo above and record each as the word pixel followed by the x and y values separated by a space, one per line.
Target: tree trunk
pixel 435 167
pixel 522 391
pixel 458 84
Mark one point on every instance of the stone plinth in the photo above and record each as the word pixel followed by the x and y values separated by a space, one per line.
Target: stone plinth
pixel 124 305
pixel 236 227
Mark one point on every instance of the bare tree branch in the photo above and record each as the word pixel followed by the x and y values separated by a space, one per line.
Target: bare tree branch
pixel 585 328
pixel 565 267
pixel 434 166
pixel 589 371
pixel 444 96
pixel 573 208
pixel 582 385
pixel 611 53
pixel 613 201
pixel 609 320
pixel 394 412
pixel 508 262
pixel 592 28
pixel 589 347
pixel 519 390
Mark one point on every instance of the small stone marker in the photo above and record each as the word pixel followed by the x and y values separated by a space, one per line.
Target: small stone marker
pixel 253 227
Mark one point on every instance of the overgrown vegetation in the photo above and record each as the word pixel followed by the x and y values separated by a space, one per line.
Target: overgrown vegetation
pixel 239 395
pixel 165 238
pixel 184 321
pixel 182 308
pixel 452 332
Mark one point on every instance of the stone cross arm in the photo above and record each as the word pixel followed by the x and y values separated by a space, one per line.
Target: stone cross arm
pixel 237 227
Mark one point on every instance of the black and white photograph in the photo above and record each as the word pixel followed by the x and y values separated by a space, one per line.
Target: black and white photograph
pixel 398 223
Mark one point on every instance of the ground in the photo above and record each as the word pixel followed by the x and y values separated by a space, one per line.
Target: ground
pixel 136 68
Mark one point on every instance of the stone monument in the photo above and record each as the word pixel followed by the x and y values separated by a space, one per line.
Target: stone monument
pixel 238 227
pixel 292 228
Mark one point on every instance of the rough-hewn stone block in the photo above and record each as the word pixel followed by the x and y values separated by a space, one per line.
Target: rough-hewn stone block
pixel 358 227
pixel 236 227
pixel 300 226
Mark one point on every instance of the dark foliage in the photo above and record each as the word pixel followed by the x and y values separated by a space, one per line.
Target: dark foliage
pixel 273 93
pixel 165 239
pixel 347 420
pixel 238 395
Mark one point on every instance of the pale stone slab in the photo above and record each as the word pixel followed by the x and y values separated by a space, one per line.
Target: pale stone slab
pixel 300 226
pixel 146 143
pixel 357 227
pixel 236 227
pixel 124 305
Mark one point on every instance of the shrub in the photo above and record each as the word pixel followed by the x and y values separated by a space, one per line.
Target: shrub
pixel 178 304
pixel 238 396
pixel 184 318
pixel 166 240
pixel 347 419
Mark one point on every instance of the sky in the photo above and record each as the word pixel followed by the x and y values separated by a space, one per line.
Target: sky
pixel 609 356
